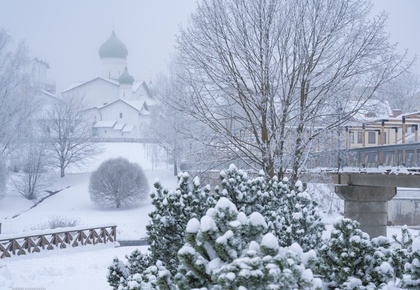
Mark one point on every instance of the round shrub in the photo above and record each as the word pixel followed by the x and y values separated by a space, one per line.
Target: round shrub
pixel 118 182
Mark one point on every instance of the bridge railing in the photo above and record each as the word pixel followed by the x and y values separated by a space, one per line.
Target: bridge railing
pixel 407 155
pixel 70 237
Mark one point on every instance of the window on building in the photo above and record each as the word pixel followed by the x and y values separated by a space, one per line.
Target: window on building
pixel 120 115
pixel 385 138
pixel 359 137
pixel 351 137
pixel 372 137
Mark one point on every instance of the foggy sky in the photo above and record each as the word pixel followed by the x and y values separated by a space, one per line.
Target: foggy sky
pixel 67 33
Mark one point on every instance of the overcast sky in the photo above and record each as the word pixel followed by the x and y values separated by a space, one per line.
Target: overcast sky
pixel 67 33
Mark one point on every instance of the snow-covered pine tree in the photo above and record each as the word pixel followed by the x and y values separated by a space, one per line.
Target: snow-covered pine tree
pixel 137 262
pixel 402 251
pixel 412 268
pixel 169 219
pixel 153 277
pixel 290 214
pixel 166 230
pixel 117 274
pixel 227 249
pixel 297 218
pixel 350 259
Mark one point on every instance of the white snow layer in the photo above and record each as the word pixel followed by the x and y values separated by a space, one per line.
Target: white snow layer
pixel 416 244
pixel 224 203
pixel 193 226
pixel 270 241
pixel 207 224
pixel 256 219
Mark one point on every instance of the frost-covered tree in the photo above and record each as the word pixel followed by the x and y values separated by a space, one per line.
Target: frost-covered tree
pixel 118 182
pixel 350 260
pixel 227 249
pixel 262 75
pixel 68 131
pixel 290 214
pixel 17 102
pixel 34 165
pixel 3 177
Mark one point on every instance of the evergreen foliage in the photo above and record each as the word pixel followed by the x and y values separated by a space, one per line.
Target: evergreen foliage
pixel 402 252
pixel 153 277
pixel 350 260
pixel 227 249
pixel 117 274
pixel 219 242
pixel 169 219
pixel 290 214
pixel 412 268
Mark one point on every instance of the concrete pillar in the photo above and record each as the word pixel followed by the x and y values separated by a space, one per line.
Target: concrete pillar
pixel 368 205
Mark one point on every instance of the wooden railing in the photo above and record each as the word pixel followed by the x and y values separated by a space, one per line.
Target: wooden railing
pixel 73 237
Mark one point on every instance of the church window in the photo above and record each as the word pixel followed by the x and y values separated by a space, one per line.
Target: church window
pixel 120 115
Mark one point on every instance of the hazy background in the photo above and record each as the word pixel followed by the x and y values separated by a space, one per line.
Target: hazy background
pixel 67 33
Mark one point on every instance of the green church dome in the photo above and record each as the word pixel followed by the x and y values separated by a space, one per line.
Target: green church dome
pixel 125 77
pixel 113 48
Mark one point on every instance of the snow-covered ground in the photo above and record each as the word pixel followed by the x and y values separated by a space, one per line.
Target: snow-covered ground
pixel 81 267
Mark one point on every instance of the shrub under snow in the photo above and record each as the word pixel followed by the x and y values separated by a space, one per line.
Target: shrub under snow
pixel 230 250
pixel 118 182
pixel 350 260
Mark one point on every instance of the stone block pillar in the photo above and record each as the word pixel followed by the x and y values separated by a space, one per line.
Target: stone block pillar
pixel 368 205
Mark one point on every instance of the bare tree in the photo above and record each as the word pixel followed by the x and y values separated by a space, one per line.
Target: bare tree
pixel 267 76
pixel 68 131
pixel 403 92
pixel 118 182
pixel 32 180
pixel 173 130
pixel 16 95
pixel 3 177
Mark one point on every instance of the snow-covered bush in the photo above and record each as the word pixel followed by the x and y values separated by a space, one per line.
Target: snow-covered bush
pixel 350 260
pixel 412 268
pixel 402 251
pixel 3 177
pixel 117 274
pixel 118 182
pixel 168 221
pixel 290 214
pixel 153 277
pixel 227 249
pixel 166 231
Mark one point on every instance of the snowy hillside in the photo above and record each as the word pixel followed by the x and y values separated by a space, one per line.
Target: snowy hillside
pixel 83 267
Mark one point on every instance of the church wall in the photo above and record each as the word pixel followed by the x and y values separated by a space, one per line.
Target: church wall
pixel 96 93
pixel 122 112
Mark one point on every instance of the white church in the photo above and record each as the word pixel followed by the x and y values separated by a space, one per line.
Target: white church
pixel 118 106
